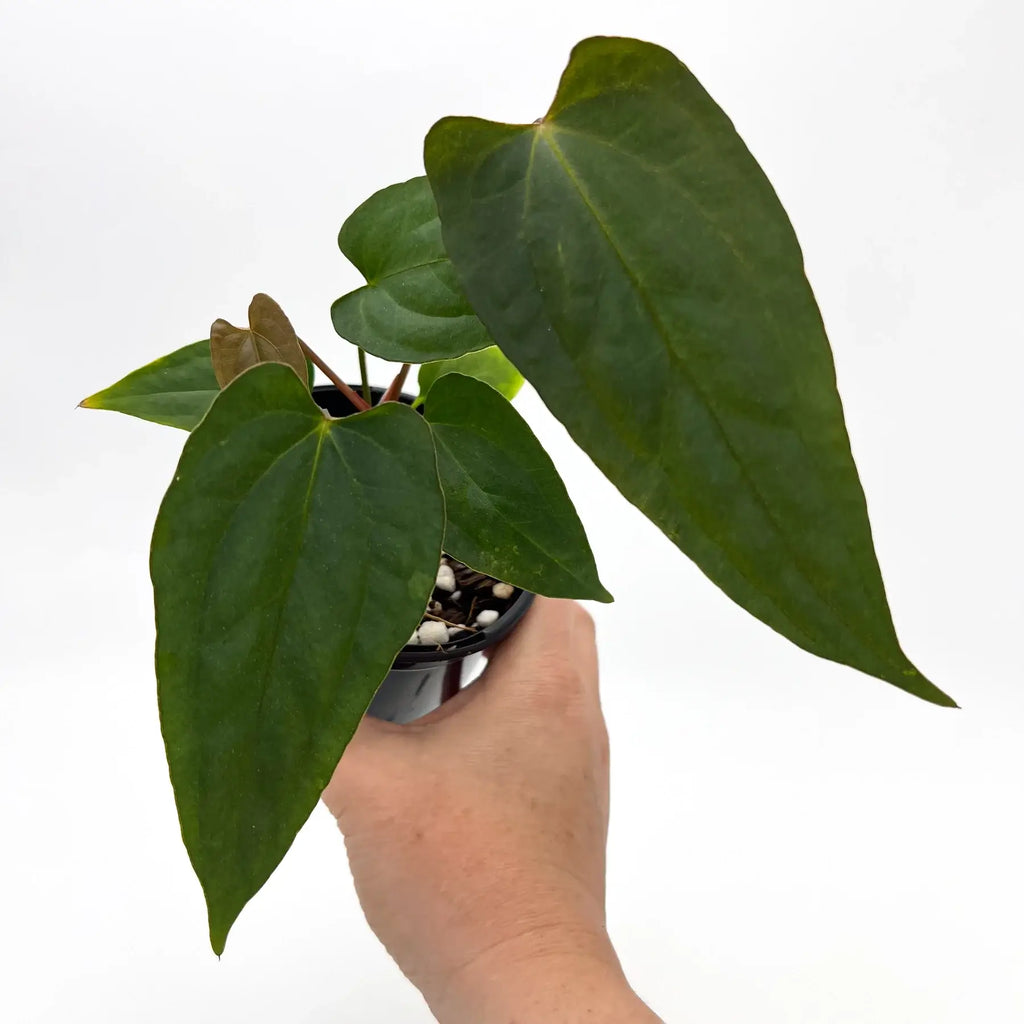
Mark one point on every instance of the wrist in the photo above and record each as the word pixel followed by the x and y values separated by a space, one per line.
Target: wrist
pixel 543 978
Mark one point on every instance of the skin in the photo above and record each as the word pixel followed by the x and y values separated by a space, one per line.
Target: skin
pixel 476 837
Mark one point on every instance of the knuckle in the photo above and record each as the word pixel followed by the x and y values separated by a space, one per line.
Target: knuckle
pixel 584 620
pixel 557 685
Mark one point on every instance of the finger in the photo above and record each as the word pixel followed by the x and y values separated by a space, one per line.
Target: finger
pixel 554 645
pixel 359 761
pixel 553 629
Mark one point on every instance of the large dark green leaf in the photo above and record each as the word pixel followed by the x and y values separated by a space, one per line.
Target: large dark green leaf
pixel 413 308
pixel 292 557
pixel 176 389
pixel 629 256
pixel 509 514
pixel 488 365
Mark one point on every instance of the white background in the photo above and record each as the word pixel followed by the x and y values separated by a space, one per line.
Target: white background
pixel 791 841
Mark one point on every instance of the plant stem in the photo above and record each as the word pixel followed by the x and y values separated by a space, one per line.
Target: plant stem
pixel 355 399
pixel 362 374
pixel 395 387
pixel 454 625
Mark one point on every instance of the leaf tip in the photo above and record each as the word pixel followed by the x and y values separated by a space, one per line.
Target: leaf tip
pixel 915 683
pixel 220 925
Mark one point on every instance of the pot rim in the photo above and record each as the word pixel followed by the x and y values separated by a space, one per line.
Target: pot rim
pixel 417 657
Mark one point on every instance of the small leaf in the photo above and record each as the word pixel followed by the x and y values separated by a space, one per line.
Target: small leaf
pixel 508 512
pixel 175 390
pixel 488 365
pixel 413 308
pixel 292 556
pixel 631 258
pixel 269 339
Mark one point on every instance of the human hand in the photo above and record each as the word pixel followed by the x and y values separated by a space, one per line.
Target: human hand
pixel 476 835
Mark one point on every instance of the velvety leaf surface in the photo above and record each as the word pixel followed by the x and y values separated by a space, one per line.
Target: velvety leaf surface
pixel 413 308
pixel 175 390
pixel 291 559
pixel 630 257
pixel 488 365
pixel 270 338
pixel 508 512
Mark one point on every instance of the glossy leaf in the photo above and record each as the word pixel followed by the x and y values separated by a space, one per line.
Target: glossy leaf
pixel 508 512
pixel 270 338
pixel 292 556
pixel 412 309
pixel 175 390
pixel 630 257
pixel 488 365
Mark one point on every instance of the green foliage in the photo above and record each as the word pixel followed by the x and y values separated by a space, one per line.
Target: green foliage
pixel 175 390
pixel 488 365
pixel 508 513
pixel 292 557
pixel 632 260
pixel 628 256
pixel 412 309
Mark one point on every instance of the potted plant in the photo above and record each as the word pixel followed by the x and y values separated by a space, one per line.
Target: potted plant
pixel 627 256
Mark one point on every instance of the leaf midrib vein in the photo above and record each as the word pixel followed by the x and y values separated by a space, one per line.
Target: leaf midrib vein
pixel 215 548
pixel 376 281
pixel 300 544
pixel 656 320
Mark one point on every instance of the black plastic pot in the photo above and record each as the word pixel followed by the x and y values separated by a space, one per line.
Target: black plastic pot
pixel 423 678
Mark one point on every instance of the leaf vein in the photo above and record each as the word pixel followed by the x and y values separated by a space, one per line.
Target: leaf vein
pixel 715 418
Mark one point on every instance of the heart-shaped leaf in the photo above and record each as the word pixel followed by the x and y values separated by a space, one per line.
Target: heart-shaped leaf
pixel 631 258
pixel 508 513
pixel 175 390
pixel 488 365
pixel 413 308
pixel 270 338
pixel 292 557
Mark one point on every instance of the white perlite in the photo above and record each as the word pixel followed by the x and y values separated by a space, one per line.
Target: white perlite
pixel 431 632
pixel 485 618
pixel 502 591
pixel 445 578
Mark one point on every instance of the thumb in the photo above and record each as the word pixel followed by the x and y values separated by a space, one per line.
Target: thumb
pixel 553 647
pixel 360 763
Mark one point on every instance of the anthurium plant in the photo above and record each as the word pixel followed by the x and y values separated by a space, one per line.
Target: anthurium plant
pixel 626 255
